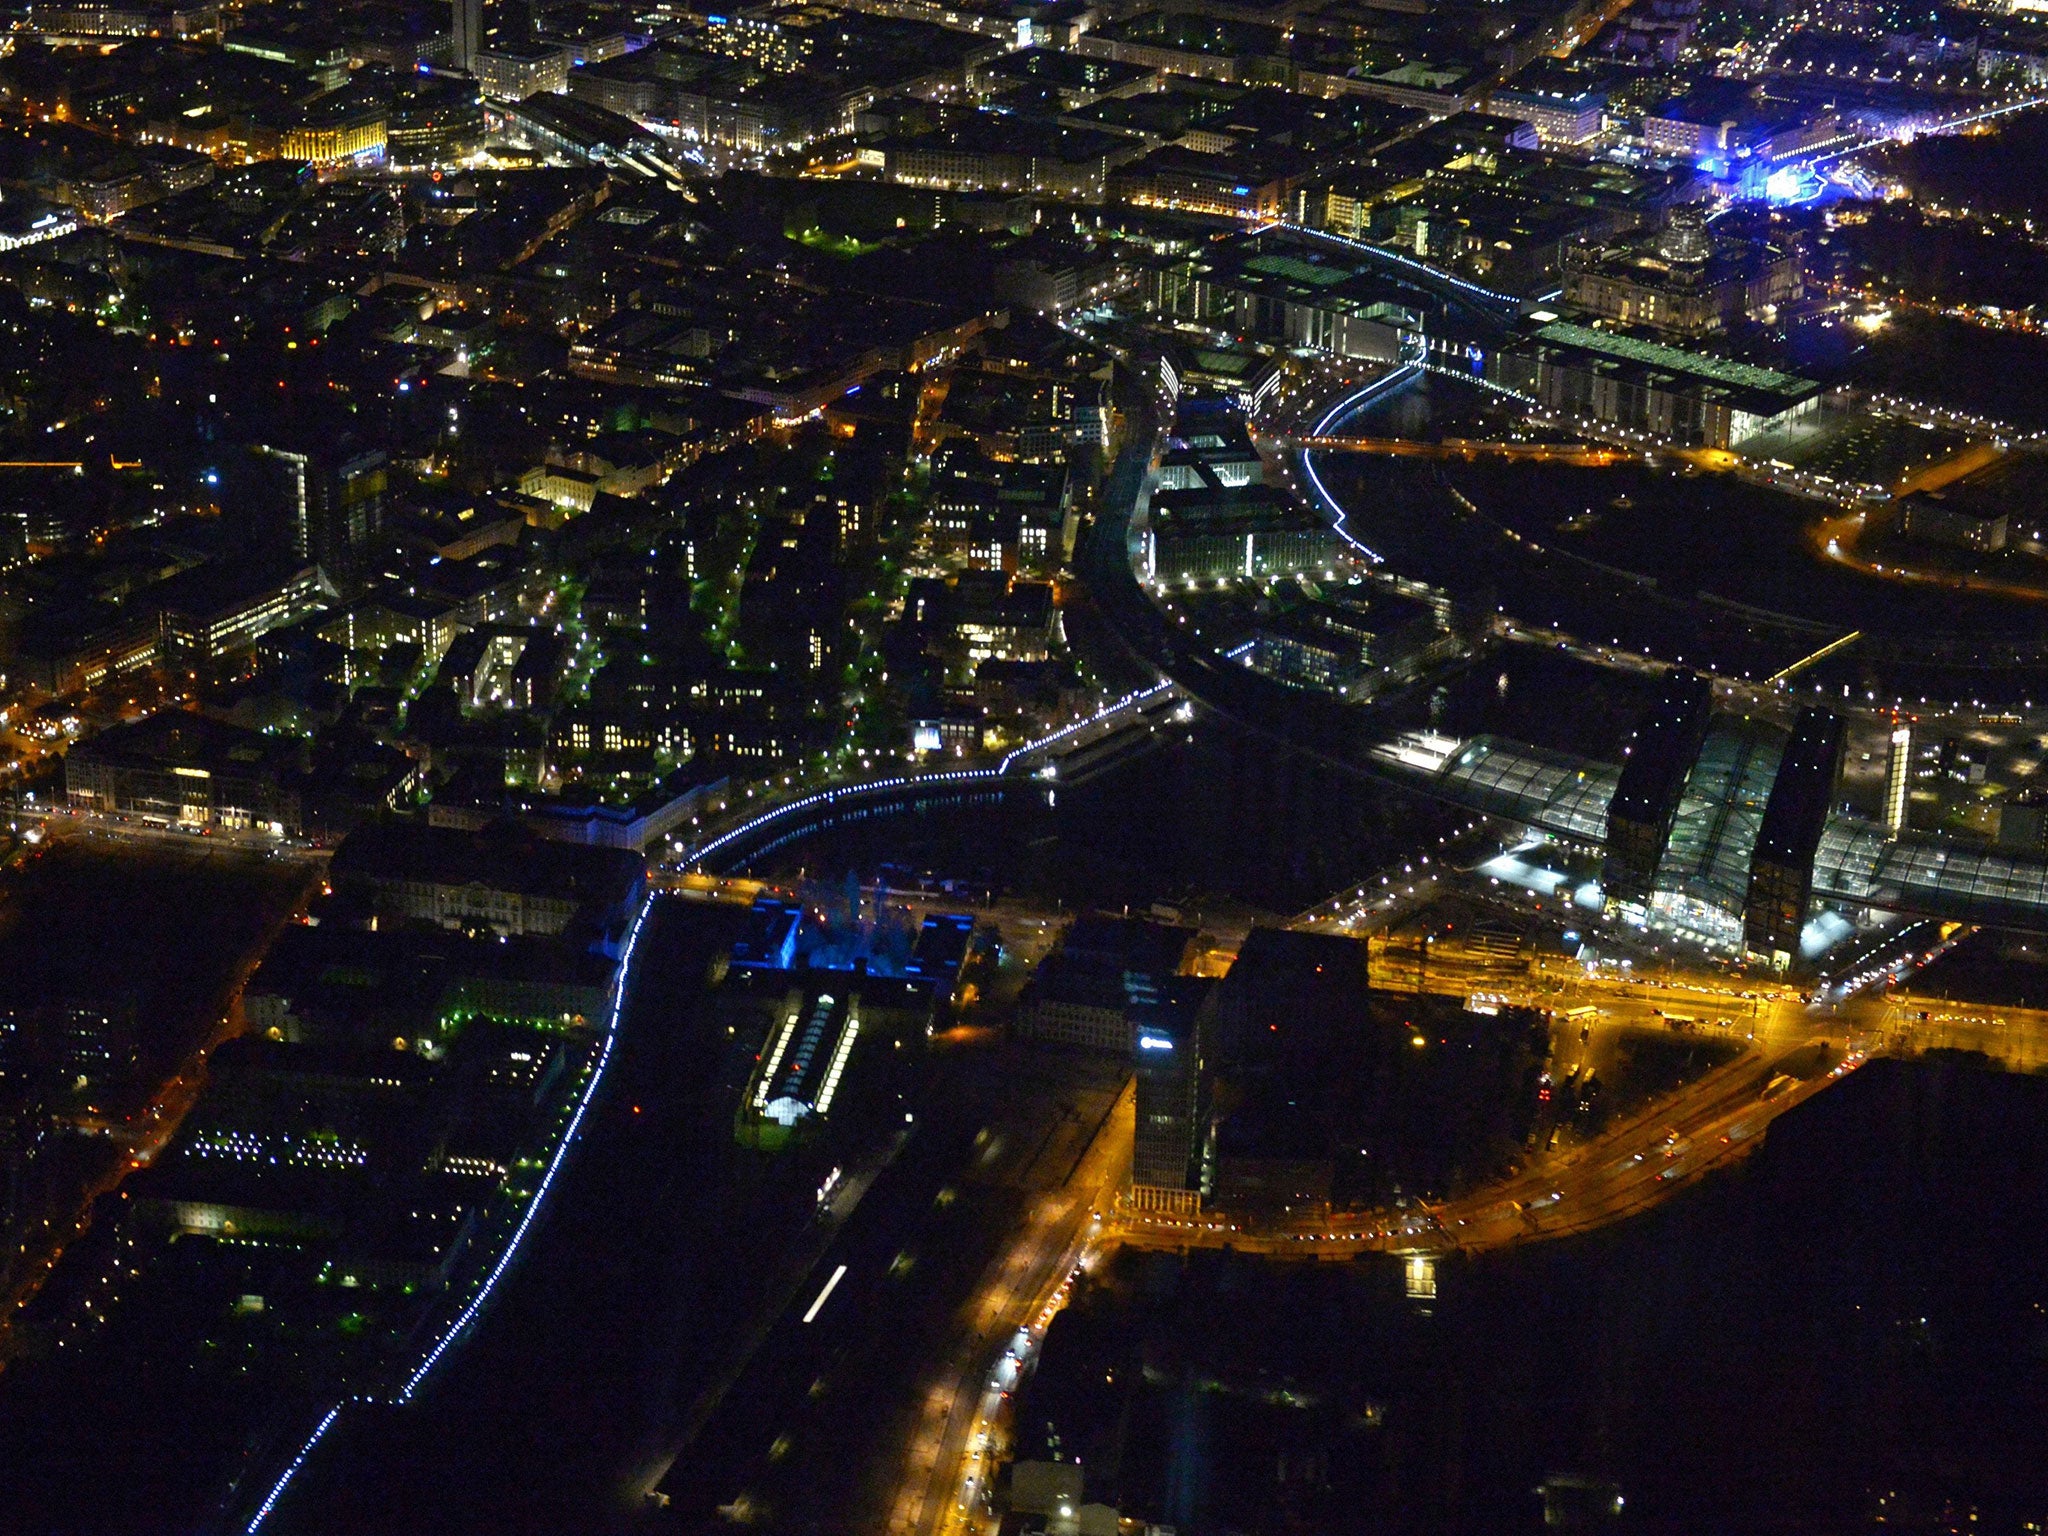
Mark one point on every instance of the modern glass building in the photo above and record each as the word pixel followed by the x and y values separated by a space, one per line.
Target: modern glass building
pixel 1703 877
pixel 1757 848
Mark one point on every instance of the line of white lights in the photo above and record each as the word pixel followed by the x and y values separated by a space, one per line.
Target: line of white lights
pixel 614 1007
pixel 292 1468
pixel 1350 405
pixel 1128 701
pixel 1002 770
pixel 1423 267
pixel 843 792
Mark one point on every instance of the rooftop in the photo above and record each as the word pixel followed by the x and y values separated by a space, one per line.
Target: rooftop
pixel 1699 365
pixel 499 857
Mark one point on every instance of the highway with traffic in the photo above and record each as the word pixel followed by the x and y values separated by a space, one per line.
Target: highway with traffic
pixel 959 1440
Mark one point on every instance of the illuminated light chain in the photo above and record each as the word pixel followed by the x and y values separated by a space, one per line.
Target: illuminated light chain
pixel 1381 253
pixel 291 1470
pixel 1350 406
pixel 1128 701
pixel 614 1008
pixel 1001 771
pixel 843 792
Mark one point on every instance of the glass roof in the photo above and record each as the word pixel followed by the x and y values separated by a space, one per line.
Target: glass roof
pixel 1549 791
pixel 1917 873
pixel 1703 877
pixel 1722 806
pixel 1699 364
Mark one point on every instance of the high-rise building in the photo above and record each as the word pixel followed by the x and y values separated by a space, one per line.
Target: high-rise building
pixel 434 122
pixel 333 500
pixel 1898 779
pixel 1288 994
pixel 1166 1149
pixel 1781 866
pixel 1662 752
pixel 467 29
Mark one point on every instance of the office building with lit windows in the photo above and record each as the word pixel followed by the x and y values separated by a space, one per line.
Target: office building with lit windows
pixel 1168 1048
pixel 1105 975
pixel 220 610
pixel 510 71
pixel 1205 533
pixel 183 770
pixel 1688 398
pixel 332 498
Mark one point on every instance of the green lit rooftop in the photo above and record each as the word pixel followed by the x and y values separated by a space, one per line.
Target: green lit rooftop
pixel 1699 365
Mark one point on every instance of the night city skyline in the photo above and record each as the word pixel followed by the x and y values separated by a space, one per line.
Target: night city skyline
pixel 1023 768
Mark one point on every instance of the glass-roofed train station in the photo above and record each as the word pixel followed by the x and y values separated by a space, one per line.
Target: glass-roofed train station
pixel 1726 831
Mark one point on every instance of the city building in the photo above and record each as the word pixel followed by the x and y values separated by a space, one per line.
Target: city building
pixel 1898 783
pixel 465 33
pixel 513 71
pixel 1282 291
pixel 1724 125
pixel 1687 398
pixel 1350 645
pixel 588 135
pixel 982 615
pixel 798 1074
pixel 1781 867
pixel 221 609
pixel 1932 518
pixel 1565 116
pixel 1283 986
pixel 185 770
pixel 1171 1093
pixel 500 879
pixel 1209 448
pixel 1703 880
pixel 1209 533
pixel 434 122
pixel 321 1148
pixel 330 131
pixel 656 812
pixel 992 153
pixel 1660 755
pixel 1684 281
pixel 145 20
pixel 334 984
pixel 331 499
pixel 30 223
pixel 1089 992
pixel 769 939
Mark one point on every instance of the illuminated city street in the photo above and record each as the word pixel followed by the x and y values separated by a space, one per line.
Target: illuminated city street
pixel 1014 769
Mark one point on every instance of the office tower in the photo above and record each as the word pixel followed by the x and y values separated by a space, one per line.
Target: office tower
pixel 1898 779
pixel 1660 755
pixel 332 500
pixel 467 29
pixel 1781 867
pixel 1166 1152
